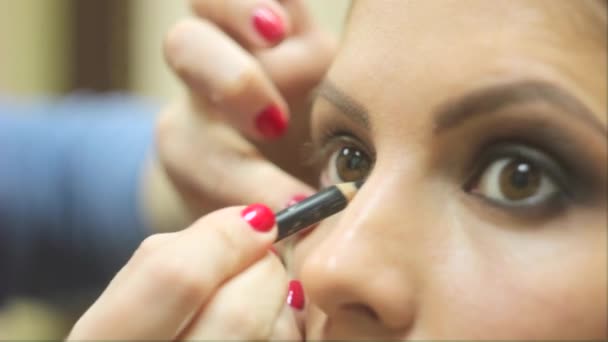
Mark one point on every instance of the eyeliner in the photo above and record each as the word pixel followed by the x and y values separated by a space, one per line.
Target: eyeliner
pixel 315 208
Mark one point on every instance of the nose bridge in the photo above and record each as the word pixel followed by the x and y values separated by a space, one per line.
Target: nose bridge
pixel 365 260
pixel 385 224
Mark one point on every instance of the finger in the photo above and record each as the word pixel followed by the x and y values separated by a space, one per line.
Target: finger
pixel 261 181
pixel 286 327
pixel 178 276
pixel 94 324
pixel 300 63
pixel 226 79
pixel 235 172
pixel 246 307
pixel 254 24
pixel 301 20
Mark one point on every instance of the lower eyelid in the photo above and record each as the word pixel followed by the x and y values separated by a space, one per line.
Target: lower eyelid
pixel 556 205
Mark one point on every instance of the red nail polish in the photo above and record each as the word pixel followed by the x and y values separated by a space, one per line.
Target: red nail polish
pixel 271 122
pixel 295 295
pixel 268 24
pixel 295 199
pixel 259 217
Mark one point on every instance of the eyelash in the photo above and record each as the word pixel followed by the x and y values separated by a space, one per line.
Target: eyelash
pixel 514 150
pixel 332 139
pixel 335 138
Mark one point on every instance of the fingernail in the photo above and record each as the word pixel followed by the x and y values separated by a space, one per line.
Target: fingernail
pixel 268 24
pixel 259 217
pixel 295 295
pixel 295 199
pixel 271 122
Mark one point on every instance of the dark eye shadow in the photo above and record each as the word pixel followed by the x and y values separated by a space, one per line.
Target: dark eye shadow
pixel 546 163
pixel 563 158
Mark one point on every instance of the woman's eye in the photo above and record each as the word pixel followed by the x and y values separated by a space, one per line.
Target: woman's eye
pixel 515 182
pixel 347 164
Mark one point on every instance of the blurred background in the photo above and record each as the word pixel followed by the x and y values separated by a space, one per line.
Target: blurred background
pixel 51 48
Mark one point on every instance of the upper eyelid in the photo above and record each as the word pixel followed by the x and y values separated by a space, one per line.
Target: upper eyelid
pixel 344 103
pixel 344 136
pixel 549 164
pixel 489 100
pixel 331 139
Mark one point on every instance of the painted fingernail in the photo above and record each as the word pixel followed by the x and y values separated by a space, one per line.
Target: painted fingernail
pixel 295 199
pixel 271 122
pixel 295 295
pixel 268 24
pixel 259 217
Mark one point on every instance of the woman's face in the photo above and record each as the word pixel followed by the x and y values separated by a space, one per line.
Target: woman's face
pixel 481 129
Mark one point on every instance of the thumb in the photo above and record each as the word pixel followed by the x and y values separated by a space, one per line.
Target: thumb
pixel 299 62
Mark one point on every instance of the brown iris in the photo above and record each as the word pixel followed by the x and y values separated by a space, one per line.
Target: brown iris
pixel 352 164
pixel 519 180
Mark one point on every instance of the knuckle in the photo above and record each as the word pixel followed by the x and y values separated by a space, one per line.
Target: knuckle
pixel 215 10
pixel 199 6
pixel 150 246
pixel 226 238
pixel 172 142
pixel 326 47
pixel 173 273
pixel 176 41
pixel 250 77
pixel 165 125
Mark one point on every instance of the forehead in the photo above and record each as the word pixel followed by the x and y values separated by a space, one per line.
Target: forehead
pixel 417 52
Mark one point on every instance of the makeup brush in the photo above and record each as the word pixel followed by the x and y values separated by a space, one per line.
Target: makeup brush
pixel 315 208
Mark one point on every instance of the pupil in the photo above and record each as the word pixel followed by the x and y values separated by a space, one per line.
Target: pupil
pixel 355 160
pixel 521 175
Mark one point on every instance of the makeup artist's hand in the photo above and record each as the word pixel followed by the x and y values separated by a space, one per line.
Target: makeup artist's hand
pixel 248 66
pixel 214 280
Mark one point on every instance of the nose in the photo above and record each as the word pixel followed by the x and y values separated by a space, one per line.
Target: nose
pixel 359 272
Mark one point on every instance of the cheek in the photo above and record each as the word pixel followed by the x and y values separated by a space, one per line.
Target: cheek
pixel 477 295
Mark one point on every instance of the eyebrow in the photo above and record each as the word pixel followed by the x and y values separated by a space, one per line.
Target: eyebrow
pixel 347 105
pixel 490 100
pixel 482 102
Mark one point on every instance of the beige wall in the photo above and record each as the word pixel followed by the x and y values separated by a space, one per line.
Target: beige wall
pixel 32 58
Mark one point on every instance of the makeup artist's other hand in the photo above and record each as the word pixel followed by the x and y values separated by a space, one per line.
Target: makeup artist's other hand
pixel 214 280
pixel 249 66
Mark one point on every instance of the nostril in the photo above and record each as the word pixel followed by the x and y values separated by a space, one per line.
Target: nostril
pixel 362 309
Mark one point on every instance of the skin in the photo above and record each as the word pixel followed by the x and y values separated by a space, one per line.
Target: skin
pixel 425 251
pixel 209 152
pixel 414 256
pixel 217 279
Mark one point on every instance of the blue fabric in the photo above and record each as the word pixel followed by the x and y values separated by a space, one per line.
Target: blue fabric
pixel 69 177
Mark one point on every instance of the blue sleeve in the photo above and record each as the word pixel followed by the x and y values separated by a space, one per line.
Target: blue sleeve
pixel 70 171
